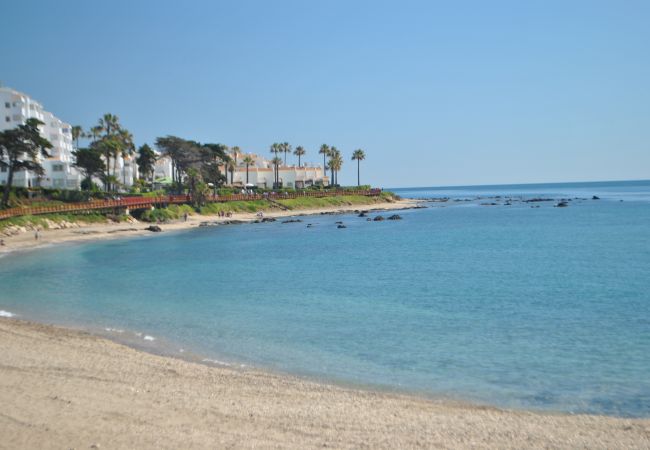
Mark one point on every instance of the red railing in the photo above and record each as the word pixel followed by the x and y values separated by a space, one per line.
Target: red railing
pixel 148 202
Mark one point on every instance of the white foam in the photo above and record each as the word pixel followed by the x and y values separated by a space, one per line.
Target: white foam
pixel 216 361
pixel 114 330
pixel 4 313
pixel 149 338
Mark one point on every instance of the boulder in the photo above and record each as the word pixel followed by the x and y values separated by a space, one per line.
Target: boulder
pixel 341 226
pixel 268 219
pixel 595 197
pixel 378 218
pixel 562 204
pixel 291 221
pixel 395 217
pixel 154 228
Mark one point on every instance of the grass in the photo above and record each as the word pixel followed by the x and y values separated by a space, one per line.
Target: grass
pixel 42 220
pixel 172 212
pixel 240 206
pixel 324 202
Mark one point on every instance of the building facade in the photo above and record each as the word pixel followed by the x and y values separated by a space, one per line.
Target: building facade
pixel 15 109
pixel 261 174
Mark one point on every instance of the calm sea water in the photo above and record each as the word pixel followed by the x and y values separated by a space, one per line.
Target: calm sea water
pixel 516 306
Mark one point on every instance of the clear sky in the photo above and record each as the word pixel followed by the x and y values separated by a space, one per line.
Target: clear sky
pixel 436 93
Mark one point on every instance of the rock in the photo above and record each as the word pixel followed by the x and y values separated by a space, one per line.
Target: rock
pixel 363 214
pixel 395 217
pixel 339 223
pixel 309 225
pixel 291 221
pixel 562 204
pixel 268 219
pixel 538 199
pixel 378 218
pixel 341 226
pixel 595 197
pixel 154 228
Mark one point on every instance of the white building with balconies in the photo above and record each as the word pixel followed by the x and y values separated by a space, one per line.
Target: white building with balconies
pixel 261 174
pixel 15 109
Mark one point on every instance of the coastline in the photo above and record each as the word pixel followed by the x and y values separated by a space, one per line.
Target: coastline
pixel 103 231
pixel 62 388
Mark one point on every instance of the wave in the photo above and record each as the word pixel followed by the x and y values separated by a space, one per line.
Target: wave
pixel 4 313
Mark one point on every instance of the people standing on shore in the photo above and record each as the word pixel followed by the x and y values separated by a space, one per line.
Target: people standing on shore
pixel 37 235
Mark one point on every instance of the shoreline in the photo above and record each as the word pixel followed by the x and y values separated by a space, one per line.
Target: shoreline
pixel 63 388
pixel 103 231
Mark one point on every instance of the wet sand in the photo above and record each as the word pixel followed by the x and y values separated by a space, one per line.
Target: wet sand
pixel 63 389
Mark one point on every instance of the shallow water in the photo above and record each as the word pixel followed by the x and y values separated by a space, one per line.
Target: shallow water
pixel 516 306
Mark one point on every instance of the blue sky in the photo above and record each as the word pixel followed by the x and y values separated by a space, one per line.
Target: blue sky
pixel 436 93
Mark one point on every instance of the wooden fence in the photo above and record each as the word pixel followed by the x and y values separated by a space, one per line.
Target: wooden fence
pixel 161 201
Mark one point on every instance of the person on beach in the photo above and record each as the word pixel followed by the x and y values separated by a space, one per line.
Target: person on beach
pixel 185 217
pixel 36 235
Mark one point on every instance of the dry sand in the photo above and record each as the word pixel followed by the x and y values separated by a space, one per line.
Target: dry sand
pixel 66 389
pixel 92 232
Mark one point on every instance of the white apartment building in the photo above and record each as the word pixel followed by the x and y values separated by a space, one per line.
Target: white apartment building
pixel 15 109
pixel 261 174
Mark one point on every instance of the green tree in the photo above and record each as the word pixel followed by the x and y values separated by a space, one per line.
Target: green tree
pixel 359 156
pixel 20 148
pixel 146 161
pixel 214 156
pixel 89 161
pixel 248 160
pixel 299 151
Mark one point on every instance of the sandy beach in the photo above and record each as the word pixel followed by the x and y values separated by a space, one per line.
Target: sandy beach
pixel 63 389
pixel 93 232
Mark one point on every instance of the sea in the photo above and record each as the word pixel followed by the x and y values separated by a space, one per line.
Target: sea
pixel 493 295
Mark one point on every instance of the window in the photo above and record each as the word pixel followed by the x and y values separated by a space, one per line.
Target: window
pixel 3 169
pixel 7 105
pixel 57 167
pixel 7 119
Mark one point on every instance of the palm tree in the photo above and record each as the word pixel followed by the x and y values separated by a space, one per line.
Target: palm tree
pixel 325 151
pixel 336 161
pixel 276 163
pixel 248 160
pixel 77 132
pixel 230 167
pixel 359 156
pixel 285 148
pixel 235 151
pixel 299 151
pixel 333 152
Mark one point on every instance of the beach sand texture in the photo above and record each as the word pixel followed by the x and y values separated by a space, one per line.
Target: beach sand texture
pixel 64 389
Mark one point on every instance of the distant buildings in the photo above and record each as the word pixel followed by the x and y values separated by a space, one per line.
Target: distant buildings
pixel 15 109
pixel 261 174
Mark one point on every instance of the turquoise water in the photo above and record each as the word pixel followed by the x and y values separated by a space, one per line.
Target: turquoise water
pixel 517 306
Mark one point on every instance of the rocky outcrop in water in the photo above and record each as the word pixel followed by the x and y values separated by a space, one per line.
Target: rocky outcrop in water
pixel 395 217
pixel 378 218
